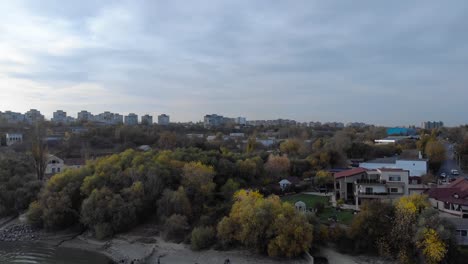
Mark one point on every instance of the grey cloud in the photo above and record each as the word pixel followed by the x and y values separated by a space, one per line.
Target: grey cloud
pixel 303 59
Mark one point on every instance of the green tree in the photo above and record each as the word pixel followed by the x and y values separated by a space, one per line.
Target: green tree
pixel 175 228
pixel 247 169
pixel 174 202
pixel 39 152
pixel 371 226
pixel 229 188
pixel 323 178
pixel 107 213
pixel 198 177
pixel 202 237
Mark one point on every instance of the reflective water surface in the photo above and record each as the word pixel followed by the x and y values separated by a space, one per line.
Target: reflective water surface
pixel 35 253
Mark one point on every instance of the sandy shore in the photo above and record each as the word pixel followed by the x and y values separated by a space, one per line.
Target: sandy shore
pixel 143 245
pixel 170 253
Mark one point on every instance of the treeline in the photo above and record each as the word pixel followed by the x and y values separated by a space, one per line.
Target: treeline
pixel 188 191
pixel 18 184
pixel 408 231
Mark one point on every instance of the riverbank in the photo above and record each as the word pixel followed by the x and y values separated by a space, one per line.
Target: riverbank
pixel 143 245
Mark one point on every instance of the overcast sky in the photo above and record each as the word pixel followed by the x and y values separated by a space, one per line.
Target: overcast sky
pixel 381 62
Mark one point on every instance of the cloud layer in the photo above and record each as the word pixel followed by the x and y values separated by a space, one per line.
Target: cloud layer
pixel 392 63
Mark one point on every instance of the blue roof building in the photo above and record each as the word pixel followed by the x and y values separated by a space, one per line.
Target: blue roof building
pixel 401 131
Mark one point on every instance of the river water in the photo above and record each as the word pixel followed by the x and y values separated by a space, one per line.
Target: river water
pixel 36 253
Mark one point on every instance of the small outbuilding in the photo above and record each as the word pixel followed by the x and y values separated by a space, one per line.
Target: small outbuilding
pixel 300 206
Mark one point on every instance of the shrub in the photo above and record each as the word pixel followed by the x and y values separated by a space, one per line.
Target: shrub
pixel 175 228
pixel 103 230
pixel 202 237
pixel 319 207
pixel 34 214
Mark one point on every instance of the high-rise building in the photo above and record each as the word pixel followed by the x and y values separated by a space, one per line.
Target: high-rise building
pixel 147 120
pixel 163 120
pixel 213 120
pixel 241 121
pixel 131 119
pixel 59 116
pixel 12 117
pixel 84 115
pixel 432 124
pixel 33 116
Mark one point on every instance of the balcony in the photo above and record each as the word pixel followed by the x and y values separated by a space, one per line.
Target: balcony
pixel 370 181
pixel 382 195
pixel 372 193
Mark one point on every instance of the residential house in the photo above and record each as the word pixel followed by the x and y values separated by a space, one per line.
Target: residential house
pixel 394 139
pixel 195 135
pixel 289 182
pixel 79 130
pixel 416 167
pixel 57 165
pixel 451 198
pixel 12 138
pixel 236 135
pixel 54 165
pixel 266 142
pixel 74 163
pixel 461 230
pixel 345 182
pixel 401 131
pixel 383 184
pixel 361 184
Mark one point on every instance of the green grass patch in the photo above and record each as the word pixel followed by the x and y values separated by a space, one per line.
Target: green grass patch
pixel 344 216
pixel 308 199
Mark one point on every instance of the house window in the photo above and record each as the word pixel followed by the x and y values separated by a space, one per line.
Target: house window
pixel 464 233
pixel 58 169
pixel 393 190
pixel 369 190
pixel 53 170
pixel 394 178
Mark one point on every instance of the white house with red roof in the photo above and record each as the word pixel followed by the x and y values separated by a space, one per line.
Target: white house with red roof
pixel 360 184
pixel 451 198
pixel 345 182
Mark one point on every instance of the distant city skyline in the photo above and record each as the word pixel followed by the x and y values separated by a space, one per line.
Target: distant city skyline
pixel 238 119
pixel 385 63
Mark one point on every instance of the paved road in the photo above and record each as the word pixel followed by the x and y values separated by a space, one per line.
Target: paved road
pixel 450 163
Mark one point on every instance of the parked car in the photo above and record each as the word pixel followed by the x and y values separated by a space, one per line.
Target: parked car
pixel 455 172
pixel 443 175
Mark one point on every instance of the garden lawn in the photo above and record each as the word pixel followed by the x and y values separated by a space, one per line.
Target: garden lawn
pixel 309 199
pixel 344 216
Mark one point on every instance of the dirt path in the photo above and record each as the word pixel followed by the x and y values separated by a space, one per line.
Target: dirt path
pixel 171 253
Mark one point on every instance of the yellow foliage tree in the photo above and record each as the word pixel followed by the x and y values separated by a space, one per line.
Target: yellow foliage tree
pixel 413 204
pixel 266 224
pixel 432 246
